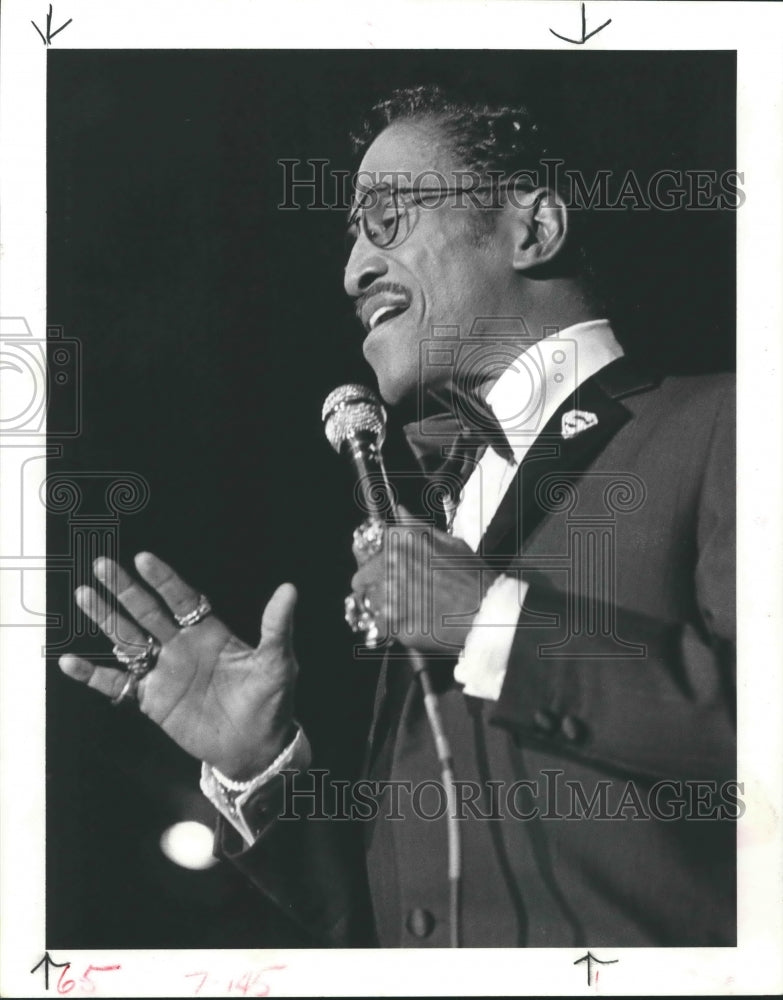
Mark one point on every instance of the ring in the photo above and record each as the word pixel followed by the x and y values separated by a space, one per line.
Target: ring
pixel 360 618
pixel 368 538
pixel 198 614
pixel 129 690
pixel 138 664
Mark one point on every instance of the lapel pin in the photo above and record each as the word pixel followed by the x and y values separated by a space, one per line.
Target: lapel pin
pixel 576 421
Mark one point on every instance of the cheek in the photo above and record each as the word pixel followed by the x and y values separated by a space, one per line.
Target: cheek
pixel 455 278
pixel 445 280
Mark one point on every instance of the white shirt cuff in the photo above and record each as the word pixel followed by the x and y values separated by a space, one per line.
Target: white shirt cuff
pixel 296 756
pixel 482 664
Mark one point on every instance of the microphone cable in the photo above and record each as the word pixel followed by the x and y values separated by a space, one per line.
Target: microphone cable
pixel 446 761
pixel 355 425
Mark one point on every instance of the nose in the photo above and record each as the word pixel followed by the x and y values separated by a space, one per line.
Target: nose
pixel 365 265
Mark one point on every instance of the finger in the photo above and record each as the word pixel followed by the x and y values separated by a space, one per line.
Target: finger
pixel 115 626
pixel 364 580
pixel 106 680
pixel 277 621
pixel 367 540
pixel 178 596
pixel 142 605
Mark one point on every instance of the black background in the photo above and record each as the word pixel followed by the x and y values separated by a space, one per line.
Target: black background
pixel 212 325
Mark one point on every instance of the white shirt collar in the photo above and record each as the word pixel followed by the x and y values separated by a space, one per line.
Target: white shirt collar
pixel 544 375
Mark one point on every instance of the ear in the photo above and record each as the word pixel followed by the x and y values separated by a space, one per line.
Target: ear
pixel 539 221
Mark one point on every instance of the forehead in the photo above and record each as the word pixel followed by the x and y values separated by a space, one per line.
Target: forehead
pixel 407 153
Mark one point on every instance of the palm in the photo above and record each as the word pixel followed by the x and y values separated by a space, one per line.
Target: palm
pixel 214 695
pixel 221 700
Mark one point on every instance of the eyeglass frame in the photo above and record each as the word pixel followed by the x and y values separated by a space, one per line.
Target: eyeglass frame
pixel 361 209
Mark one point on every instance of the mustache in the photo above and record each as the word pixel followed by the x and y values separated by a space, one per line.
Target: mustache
pixel 379 288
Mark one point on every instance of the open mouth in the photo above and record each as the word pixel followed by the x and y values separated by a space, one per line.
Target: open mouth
pixel 383 314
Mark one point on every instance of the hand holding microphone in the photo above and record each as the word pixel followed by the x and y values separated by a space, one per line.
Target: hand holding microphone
pixel 414 583
pixel 355 425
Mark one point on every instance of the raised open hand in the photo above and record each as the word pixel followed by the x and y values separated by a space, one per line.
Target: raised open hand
pixel 221 700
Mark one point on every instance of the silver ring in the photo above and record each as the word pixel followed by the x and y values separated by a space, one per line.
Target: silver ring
pixel 139 664
pixel 129 691
pixel 360 618
pixel 198 614
pixel 368 538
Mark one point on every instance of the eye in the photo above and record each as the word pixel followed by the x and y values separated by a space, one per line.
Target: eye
pixel 383 218
pixel 389 217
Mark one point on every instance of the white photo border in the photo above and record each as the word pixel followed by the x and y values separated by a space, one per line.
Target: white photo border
pixel 754 30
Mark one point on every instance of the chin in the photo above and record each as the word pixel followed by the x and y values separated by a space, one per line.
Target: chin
pixel 395 391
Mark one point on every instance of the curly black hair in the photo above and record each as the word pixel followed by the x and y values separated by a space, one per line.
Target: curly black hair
pixel 494 141
pixel 486 139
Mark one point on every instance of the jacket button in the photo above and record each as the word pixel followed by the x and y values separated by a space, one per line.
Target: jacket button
pixel 545 721
pixel 572 729
pixel 420 923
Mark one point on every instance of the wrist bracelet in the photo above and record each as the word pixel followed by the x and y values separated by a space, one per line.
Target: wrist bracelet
pixel 230 785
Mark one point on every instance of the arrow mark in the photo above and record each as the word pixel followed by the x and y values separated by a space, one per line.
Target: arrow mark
pixel 585 33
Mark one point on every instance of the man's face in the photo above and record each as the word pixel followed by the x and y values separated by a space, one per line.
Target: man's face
pixel 439 275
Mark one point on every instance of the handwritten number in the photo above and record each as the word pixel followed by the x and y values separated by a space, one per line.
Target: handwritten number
pixel 264 989
pixel 87 984
pixel 249 983
pixel 203 975
pixel 65 985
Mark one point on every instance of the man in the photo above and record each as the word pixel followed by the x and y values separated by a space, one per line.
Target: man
pixel 583 585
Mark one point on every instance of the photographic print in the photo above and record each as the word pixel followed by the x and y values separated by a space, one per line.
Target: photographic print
pixel 386 451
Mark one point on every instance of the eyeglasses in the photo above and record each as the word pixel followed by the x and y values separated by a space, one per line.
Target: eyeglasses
pixel 384 211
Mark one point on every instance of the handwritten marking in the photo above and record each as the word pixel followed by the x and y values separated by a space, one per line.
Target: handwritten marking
pixel 47 38
pixel 64 986
pixel 46 961
pixel 248 983
pixel 585 33
pixel 590 958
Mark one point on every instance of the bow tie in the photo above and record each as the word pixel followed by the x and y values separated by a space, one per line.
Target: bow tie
pixel 447 448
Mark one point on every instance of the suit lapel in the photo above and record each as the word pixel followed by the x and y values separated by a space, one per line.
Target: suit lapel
pixel 520 512
pixel 522 509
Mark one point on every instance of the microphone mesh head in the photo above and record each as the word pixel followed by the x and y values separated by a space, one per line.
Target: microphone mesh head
pixel 349 409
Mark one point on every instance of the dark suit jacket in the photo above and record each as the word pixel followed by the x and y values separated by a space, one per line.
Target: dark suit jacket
pixel 621 677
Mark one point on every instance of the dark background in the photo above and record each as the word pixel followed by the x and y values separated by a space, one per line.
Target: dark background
pixel 211 326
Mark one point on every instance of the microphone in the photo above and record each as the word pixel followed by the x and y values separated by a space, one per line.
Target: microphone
pixel 355 425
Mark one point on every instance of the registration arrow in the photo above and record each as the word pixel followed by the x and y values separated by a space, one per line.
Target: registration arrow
pixel 590 958
pixel 585 33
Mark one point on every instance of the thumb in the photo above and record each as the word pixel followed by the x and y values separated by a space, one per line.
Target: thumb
pixel 277 621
